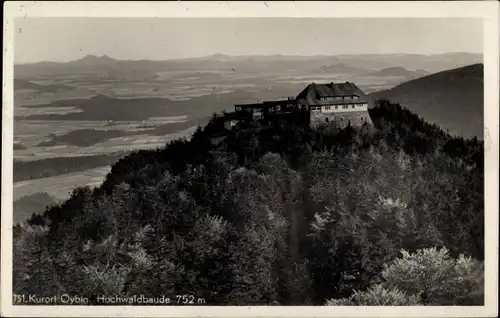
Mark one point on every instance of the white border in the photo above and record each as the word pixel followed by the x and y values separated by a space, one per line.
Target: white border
pixel 480 9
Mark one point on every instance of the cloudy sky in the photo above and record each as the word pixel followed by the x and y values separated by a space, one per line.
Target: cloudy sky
pixel 64 39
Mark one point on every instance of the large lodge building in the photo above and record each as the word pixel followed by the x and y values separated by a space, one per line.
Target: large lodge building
pixel 337 104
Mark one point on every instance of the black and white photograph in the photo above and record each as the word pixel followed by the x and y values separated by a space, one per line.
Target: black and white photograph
pixel 265 161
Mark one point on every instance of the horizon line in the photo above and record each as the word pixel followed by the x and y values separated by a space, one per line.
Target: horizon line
pixel 242 55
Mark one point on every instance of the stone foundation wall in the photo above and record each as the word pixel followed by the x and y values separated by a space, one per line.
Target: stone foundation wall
pixel 340 120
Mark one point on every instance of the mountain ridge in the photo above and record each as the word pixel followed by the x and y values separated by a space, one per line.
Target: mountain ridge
pixel 91 64
pixel 259 56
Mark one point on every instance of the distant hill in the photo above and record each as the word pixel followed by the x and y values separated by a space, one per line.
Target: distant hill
pixel 400 71
pixel 248 63
pixel 431 63
pixel 112 69
pixel 452 99
pixel 342 68
pixel 95 60
pixel 102 67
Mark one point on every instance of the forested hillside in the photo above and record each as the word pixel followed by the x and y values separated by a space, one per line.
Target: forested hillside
pixel 274 215
pixel 452 99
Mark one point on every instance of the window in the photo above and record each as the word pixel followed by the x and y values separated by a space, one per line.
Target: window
pixel 341 118
pixel 336 106
pixel 327 107
pixel 345 107
pixel 353 106
pixel 326 119
pixel 355 97
pixel 278 108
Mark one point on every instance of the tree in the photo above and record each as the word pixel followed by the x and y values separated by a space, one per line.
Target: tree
pixel 33 266
pixel 437 278
pixel 427 277
pixel 376 296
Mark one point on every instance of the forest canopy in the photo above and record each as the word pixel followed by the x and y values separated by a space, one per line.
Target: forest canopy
pixel 274 214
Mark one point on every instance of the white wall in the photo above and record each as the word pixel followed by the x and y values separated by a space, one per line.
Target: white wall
pixel 341 109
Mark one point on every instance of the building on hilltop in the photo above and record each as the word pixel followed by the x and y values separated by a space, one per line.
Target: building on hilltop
pixel 336 104
pixel 341 104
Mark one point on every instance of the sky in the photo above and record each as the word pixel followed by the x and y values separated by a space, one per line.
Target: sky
pixel 65 39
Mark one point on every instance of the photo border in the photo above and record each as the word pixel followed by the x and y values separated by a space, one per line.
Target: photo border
pixel 487 10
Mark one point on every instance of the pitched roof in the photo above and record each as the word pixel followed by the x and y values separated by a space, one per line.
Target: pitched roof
pixel 313 92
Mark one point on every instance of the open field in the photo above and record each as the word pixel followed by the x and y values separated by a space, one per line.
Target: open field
pixel 61 186
pixel 32 132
